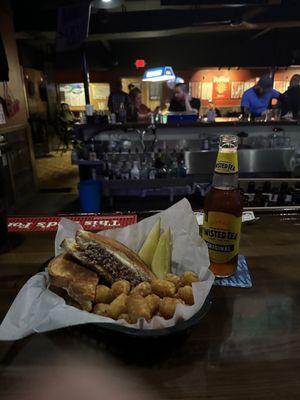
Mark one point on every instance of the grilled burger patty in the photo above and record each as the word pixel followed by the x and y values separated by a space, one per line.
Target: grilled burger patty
pixel 98 255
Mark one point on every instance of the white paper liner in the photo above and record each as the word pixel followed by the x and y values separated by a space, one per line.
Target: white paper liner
pixel 37 309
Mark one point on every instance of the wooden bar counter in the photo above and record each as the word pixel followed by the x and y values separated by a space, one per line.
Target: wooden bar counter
pixel 247 346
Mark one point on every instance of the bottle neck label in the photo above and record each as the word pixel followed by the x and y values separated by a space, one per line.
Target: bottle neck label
pixel 227 162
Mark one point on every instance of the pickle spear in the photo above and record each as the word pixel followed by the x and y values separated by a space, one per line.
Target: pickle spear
pixel 148 249
pixel 161 263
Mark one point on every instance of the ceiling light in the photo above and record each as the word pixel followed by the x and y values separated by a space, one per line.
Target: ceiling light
pixel 106 3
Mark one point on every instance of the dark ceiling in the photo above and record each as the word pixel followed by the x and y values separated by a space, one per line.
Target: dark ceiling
pixel 184 34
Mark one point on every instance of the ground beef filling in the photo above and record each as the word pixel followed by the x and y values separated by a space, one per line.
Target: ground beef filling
pixel 98 255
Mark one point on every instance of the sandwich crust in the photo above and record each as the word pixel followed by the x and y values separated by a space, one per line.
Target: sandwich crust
pixel 79 282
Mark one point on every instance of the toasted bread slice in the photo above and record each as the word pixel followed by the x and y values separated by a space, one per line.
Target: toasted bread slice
pixel 62 293
pixel 79 282
pixel 109 258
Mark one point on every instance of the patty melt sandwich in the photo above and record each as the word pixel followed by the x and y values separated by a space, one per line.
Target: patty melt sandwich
pixel 109 258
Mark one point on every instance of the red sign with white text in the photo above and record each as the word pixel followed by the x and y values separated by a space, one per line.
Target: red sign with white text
pixel 88 222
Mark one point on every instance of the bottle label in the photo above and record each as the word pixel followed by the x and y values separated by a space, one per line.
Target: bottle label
pixel 227 162
pixel 221 232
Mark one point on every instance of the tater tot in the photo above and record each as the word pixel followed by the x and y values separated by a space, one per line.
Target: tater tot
pixel 185 293
pixel 103 294
pixel 138 308
pixel 188 277
pixel 163 288
pixel 174 279
pixel 118 306
pixel 167 307
pixel 153 303
pixel 144 289
pixel 120 287
pixel 101 309
pixel 134 296
pixel 124 316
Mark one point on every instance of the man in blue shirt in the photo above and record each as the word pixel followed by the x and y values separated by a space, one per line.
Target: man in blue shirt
pixel 256 100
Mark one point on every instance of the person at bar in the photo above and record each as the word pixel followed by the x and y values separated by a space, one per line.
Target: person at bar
pixel 182 101
pixel 290 100
pixel 137 111
pixel 66 116
pixel 256 100
pixel 117 97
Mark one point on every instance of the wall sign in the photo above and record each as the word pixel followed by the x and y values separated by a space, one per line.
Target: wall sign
pixel 207 91
pixel 88 222
pixel 237 89
pixel 221 87
pixel 249 84
pixel 281 86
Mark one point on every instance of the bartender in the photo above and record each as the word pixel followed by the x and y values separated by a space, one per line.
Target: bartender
pixel 256 100
pixel 182 101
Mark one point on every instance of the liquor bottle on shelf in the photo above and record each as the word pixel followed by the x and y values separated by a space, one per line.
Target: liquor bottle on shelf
pixel 267 192
pixel 94 174
pixel 159 165
pixel 152 173
pixel 245 198
pixel 250 191
pixel 289 197
pixel 274 198
pixel 173 169
pixel 128 166
pixel 92 152
pixel 267 187
pixel 144 169
pixel 106 172
pixel 135 171
pixel 122 113
pixel 118 169
pixel 124 171
pixel 259 200
pixel 282 194
pixel 182 170
pixel 295 196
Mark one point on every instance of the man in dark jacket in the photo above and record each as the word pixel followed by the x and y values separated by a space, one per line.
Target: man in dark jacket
pixel 290 100
pixel 117 97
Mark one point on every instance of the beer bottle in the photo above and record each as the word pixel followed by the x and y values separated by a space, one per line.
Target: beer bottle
pixel 223 211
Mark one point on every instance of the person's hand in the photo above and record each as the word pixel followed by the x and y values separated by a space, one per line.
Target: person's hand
pixel 187 97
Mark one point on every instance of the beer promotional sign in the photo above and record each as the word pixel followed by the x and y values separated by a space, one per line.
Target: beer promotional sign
pixel 221 87
pixel 88 222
